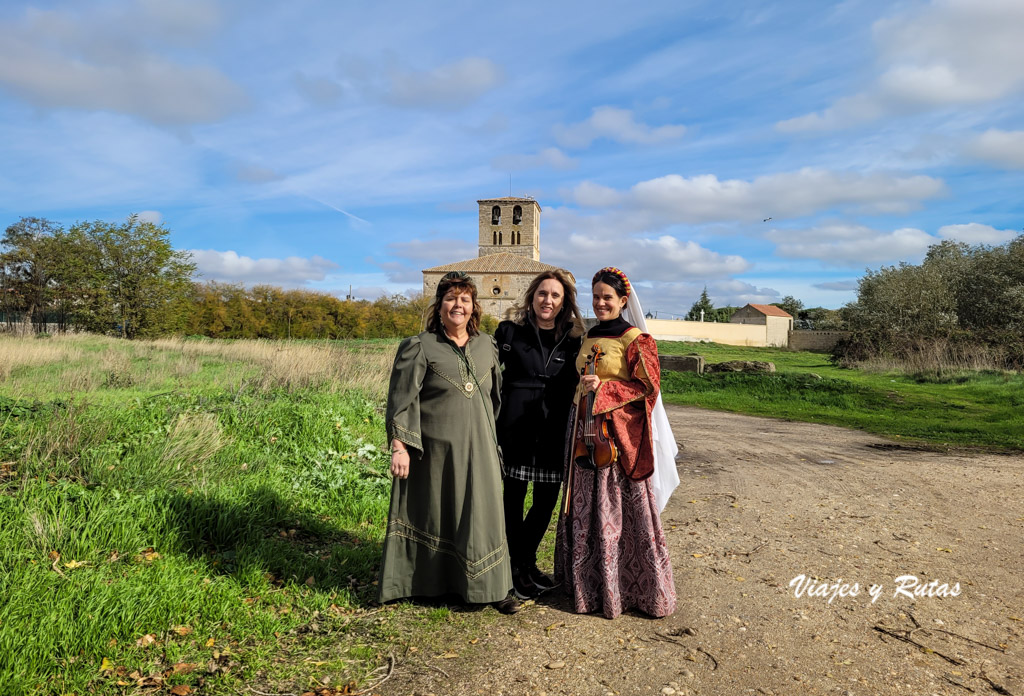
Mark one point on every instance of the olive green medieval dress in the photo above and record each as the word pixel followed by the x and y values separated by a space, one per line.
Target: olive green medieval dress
pixel 446 527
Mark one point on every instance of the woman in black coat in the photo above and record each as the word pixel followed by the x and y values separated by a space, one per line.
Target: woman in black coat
pixel 537 350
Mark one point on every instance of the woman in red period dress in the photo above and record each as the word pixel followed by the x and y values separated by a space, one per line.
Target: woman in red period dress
pixel 610 551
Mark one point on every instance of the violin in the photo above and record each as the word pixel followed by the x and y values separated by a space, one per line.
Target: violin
pixel 593 447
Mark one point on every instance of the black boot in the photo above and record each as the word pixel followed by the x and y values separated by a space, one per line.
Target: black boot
pixel 522 585
pixel 538 578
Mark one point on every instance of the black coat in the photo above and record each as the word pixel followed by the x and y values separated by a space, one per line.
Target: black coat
pixel 537 388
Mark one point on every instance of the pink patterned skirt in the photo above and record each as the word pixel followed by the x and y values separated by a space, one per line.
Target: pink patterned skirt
pixel 610 552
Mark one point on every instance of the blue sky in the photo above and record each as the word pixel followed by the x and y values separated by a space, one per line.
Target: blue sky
pixel 757 148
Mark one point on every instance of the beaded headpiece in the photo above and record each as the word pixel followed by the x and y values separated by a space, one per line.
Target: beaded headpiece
pixel 616 272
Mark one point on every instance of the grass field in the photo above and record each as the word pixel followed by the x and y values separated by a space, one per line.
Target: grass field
pixel 953 409
pixel 208 514
pixel 185 513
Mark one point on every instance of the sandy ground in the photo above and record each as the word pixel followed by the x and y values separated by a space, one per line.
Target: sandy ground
pixel 762 502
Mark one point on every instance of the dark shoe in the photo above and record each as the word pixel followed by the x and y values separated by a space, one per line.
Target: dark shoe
pixel 539 579
pixel 523 587
pixel 509 605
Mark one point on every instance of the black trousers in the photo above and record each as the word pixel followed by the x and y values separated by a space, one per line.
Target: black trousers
pixel 525 534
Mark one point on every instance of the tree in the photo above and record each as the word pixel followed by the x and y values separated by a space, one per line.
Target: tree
pixel 702 308
pixel 27 265
pixel 143 286
pixel 790 305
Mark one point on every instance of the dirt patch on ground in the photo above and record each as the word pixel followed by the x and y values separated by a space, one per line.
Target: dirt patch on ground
pixel 762 502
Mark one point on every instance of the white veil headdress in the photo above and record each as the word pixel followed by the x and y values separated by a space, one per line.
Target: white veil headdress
pixel 665 477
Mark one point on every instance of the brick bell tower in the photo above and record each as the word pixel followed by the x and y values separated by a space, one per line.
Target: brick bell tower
pixel 511 226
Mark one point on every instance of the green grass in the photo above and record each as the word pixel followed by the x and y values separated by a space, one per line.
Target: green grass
pixel 958 409
pixel 185 515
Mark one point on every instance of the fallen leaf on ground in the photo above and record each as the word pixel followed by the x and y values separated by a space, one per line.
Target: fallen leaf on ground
pixel 448 655
pixel 182 630
pixel 181 690
pixel 106 665
pixel 146 640
pixel 75 564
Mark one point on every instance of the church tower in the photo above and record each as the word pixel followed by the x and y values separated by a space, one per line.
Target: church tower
pixel 511 226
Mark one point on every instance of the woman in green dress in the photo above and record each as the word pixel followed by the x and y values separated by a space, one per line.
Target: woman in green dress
pixel 446 528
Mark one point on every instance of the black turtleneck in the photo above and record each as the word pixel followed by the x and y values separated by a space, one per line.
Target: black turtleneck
pixel 612 327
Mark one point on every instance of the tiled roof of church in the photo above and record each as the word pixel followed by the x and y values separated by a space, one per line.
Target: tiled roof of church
pixel 494 263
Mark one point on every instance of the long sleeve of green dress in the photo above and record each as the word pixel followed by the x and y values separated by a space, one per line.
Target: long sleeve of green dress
pixel 403 411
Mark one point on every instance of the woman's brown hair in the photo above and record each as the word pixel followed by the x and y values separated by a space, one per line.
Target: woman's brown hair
pixel 460 282
pixel 568 320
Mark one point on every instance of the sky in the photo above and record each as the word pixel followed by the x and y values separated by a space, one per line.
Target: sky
pixel 758 149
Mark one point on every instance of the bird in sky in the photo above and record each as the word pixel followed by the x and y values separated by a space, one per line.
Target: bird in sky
pixel 766 219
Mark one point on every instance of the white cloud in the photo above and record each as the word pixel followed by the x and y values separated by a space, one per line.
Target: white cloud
pixel 663 258
pixel 448 86
pixel 839 285
pixel 615 124
pixel 850 245
pixel 949 52
pixel 95 62
pixel 229 267
pixel 976 233
pixel 548 158
pixel 152 216
pixel 1005 148
pixel 704 198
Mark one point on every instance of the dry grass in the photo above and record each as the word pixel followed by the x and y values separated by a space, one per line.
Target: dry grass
pixel 194 439
pixel 262 364
pixel 295 365
pixel 938 357
pixel 16 351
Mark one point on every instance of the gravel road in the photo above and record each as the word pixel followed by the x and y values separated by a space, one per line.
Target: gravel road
pixel 762 502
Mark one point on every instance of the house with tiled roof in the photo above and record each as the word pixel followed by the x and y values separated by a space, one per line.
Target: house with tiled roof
pixel 777 322
pixel 508 255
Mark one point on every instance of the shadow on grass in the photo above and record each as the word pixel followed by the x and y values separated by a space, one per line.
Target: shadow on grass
pixel 262 534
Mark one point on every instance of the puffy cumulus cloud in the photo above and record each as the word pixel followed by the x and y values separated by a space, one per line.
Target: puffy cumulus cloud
pixel 152 216
pixel 449 86
pixel 947 52
pixel 704 198
pixel 976 233
pixel 1005 148
pixel 100 61
pixel 838 285
pixel 229 267
pixel 663 258
pixel 615 124
pixel 851 245
pixel 548 158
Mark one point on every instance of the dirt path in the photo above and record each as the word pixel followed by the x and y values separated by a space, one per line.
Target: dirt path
pixel 762 502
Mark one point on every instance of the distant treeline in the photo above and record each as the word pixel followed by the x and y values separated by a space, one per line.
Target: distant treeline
pixel 219 310
pixel 125 279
